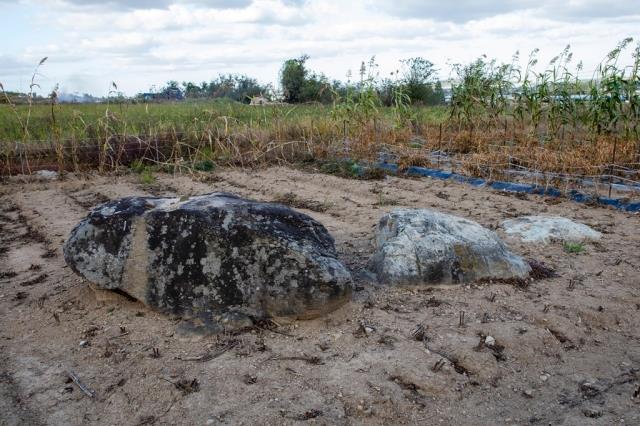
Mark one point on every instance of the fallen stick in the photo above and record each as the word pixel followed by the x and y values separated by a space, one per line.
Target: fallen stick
pixel 84 388
pixel 119 335
pixel 274 331
pixel 314 360
pixel 209 355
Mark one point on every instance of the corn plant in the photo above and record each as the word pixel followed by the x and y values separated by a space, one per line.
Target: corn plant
pixel 361 103
pixel 401 110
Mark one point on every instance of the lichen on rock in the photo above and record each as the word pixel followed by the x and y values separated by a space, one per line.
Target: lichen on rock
pixel 420 246
pixel 211 255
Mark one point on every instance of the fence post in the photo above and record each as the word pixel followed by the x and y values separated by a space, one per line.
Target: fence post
pixel 506 131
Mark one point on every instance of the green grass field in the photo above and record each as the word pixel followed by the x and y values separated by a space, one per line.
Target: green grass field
pixel 191 119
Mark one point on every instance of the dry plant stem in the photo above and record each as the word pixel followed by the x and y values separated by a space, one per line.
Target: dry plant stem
pixel 84 388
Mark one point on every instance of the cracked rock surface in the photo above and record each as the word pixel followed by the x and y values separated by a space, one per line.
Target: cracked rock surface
pixel 210 256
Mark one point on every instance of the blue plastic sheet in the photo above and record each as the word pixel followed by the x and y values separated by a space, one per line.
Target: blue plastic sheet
pixel 513 187
pixel 610 202
pixel 468 179
pixel 526 188
pixel 579 196
pixel 631 207
pixel 389 167
pixel 423 171
pixel 552 192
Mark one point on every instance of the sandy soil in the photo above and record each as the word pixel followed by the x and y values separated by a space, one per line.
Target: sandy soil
pixel 567 348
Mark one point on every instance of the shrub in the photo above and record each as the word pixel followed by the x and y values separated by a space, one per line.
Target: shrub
pixel 574 248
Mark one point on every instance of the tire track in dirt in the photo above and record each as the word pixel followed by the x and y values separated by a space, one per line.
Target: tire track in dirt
pixel 31 254
pixel 14 407
pixel 98 190
pixel 52 211
pixel 58 306
pixel 37 271
pixel 47 213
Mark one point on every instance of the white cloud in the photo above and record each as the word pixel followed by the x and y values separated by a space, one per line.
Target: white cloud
pixel 142 43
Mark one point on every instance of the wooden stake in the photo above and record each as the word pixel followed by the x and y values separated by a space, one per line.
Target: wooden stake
pixel 506 130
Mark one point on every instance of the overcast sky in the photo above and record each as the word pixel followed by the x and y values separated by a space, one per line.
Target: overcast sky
pixel 141 43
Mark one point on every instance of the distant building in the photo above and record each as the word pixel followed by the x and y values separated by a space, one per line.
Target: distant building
pixel 446 91
pixel 259 100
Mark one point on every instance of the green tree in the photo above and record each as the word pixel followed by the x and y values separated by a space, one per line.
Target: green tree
pixel 420 83
pixel 191 90
pixel 239 87
pixel 293 77
pixel 437 97
pixel 316 88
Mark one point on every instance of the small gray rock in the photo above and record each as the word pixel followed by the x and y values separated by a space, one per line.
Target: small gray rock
pixel 591 412
pixel 419 246
pixel 47 174
pixel 215 257
pixel 544 229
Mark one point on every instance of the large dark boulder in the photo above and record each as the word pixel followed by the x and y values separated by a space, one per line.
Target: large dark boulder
pixel 211 256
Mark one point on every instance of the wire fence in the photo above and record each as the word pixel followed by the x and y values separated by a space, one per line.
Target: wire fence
pixel 499 161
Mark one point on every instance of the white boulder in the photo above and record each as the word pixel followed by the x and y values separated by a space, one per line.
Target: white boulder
pixel 417 246
pixel 545 229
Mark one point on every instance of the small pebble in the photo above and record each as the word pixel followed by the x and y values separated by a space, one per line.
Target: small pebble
pixel 591 412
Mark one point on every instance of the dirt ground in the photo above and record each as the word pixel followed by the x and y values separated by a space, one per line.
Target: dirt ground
pixel 567 348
